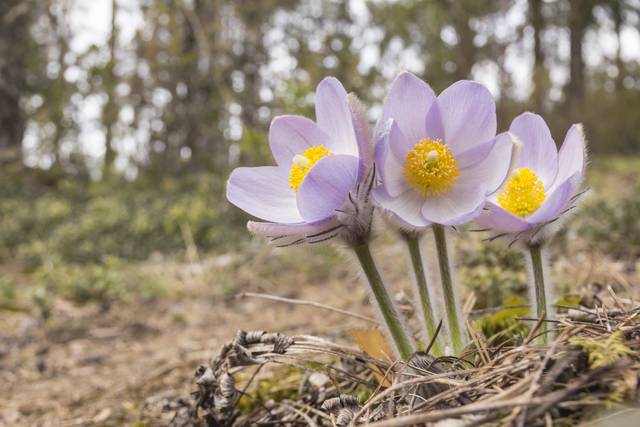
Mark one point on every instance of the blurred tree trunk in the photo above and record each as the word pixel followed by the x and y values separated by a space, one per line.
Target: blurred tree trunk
pixel 194 42
pixel 618 20
pixel 579 19
pixel 204 106
pixel 59 89
pixel 14 39
pixel 540 76
pixel 110 112
pixel 465 49
pixel 250 61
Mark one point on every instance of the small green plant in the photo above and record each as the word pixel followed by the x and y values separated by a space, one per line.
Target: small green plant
pixel 93 283
pixel 493 272
pixel 8 294
pixel 609 224
pixel 72 221
pixel 42 300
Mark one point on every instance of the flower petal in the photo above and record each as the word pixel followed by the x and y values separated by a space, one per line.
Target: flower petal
pixel 326 186
pixel 391 170
pixel 458 205
pixel 435 128
pixel 263 192
pixel 291 135
pixel 468 113
pixel 406 207
pixel 363 133
pixel 380 150
pixel 572 156
pixel 538 150
pixel 474 155
pixel 493 169
pixel 408 102
pixel 555 203
pixel 399 144
pixel 334 117
pixel 498 219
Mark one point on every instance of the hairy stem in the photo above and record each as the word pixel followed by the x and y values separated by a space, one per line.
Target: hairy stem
pixel 455 331
pixel 413 244
pixel 540 288
pixel 385 305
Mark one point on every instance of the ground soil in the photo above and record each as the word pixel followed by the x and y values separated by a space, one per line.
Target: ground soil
pixel 87 366
pixel 84 366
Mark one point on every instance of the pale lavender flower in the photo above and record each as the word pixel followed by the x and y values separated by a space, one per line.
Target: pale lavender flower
pixel 543 183
pixel 439 158
pixel 317 190
pixel 320 189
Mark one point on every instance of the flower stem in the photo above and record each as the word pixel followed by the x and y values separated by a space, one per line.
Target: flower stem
pixel 540 287
pixel 390 315
pixel 413 243
pixel 450 303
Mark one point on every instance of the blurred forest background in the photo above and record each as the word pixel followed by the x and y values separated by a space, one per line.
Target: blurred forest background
pixel 121 119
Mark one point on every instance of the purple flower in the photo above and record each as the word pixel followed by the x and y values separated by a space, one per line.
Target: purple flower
pixel 543 183
pixel 319 164
pixel 439 158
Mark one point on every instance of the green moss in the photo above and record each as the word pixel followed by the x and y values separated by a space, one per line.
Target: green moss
pixel 283 383
pixel 363 393
pixel 569 301
pixel 603 351
pixel 503 325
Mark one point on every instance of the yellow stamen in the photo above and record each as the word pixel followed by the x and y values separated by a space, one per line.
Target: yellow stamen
pixel 302 163
pixel 430 167
pixel 523 193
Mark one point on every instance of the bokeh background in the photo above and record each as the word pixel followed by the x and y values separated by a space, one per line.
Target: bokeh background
pixel 120 121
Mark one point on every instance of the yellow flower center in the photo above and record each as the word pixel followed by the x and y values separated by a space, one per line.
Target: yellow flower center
pixel 430 167
pixel 523 193
pixel 302 164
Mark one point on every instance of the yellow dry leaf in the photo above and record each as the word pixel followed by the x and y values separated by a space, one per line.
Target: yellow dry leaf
pixel 373 342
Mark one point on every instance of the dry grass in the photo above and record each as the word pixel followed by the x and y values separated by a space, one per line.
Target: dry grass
pixel 592 365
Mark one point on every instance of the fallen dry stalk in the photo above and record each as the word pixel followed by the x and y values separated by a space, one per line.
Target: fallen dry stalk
pixel 308 303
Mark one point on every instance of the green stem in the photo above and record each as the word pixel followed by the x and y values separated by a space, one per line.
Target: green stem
pixel 413 243
pixel 391 318
pixel 457 335
pixel 539 285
